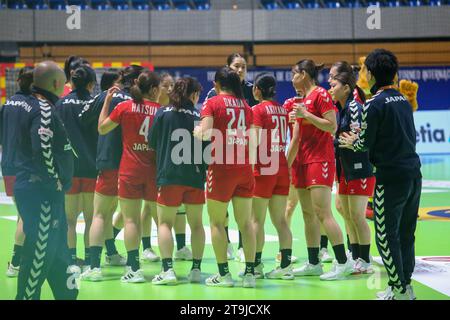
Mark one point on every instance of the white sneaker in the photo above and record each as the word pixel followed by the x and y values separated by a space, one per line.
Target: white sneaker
pixel 116 260
pixel 183 254
pixel 362 267
pixel 74 269
pixel 259 272
pixel 294 259
pixel 12 271
pixel 195 276
pixel 382 295
pixel 150 255
pixel 240 256
pixel 349 255
pixel 308 270
pixel 410 291
pixel 218 281
pixel 324 256
pixel 165 277
pixel 230 252
pixel 133 276
pixel 249 281
pixel 396 296
pixel 339 271
pixel 92 275
pixel 281 273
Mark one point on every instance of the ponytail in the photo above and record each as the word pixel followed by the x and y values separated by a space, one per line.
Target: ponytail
pixel 182 91
pixel 146 81
pixel 310 67
pixel 229 80
pixel 267 84
pixel 83 76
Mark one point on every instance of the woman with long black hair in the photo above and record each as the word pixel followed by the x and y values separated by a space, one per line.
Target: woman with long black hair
pixel 237 63
pixel 316 170
pixel 226 119
pixel 80 198
pixel 354 171
pixel 179 183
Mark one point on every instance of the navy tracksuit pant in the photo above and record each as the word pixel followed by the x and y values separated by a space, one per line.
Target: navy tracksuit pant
pixel 45 251
pixel 396 210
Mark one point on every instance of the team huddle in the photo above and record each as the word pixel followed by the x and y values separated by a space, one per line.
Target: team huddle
pixel 142 145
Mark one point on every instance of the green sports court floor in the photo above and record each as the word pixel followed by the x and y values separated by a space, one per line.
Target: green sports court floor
pixel 431 280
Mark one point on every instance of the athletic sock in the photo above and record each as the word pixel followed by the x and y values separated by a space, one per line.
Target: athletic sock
pixel 167 264
pixel 110 247
pixel 73 256
pixel 133 260
pixel 87 256
pixel 240 240
pixel 258 259
pixel 323 242
pixel 196 264
pixel 355 251
pixel 181 240
pixel 286 255
pixel 364 252
pixel 16 256
pixel 339 253
pixel 146 244
pixel 249 268
pixel 313 255
pixel 115 232
pixel 349 246
pixel 228 235
pixel 95 253
pixel 223 268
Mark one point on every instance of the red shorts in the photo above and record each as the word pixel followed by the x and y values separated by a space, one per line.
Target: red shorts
pixel 315 174
pixel 139 187
pixel 80 185
pixel 357 187
pixel 9 185
pixel 267 186
pixel 175 195
pixel 107 182
pixel 223 185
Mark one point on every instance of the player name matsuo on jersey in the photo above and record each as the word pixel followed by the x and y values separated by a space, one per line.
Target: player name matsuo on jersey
pixel 23 104
pixel 144 109
pixel 276 110
pixel 233 102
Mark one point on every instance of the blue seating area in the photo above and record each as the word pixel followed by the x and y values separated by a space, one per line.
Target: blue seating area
pixel 186 5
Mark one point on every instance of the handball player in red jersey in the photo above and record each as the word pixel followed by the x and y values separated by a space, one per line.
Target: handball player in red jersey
pixel 137 171
pixel 226 120
pixel 316 170
pixel 271 175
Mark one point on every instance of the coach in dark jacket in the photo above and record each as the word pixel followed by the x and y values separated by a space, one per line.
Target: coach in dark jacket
pixel 44 162
pixel 389 134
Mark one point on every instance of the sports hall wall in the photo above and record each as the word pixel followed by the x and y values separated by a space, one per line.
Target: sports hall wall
pixel 195 43
pixel 224 25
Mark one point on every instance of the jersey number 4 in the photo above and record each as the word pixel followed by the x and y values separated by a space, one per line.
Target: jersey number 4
pixel 143 131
